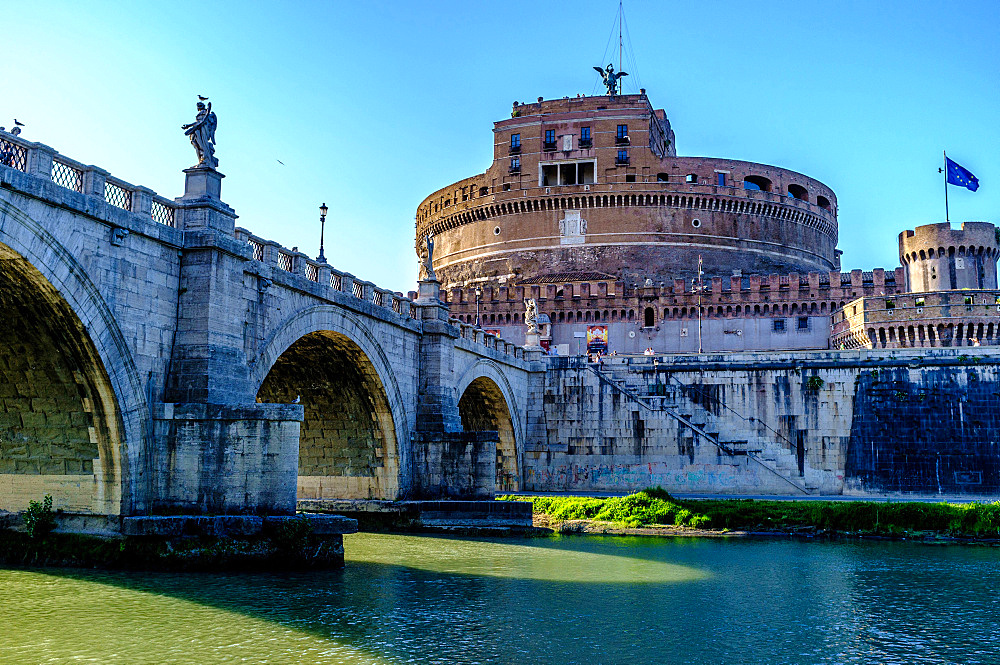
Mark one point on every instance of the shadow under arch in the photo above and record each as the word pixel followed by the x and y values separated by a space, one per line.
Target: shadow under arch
pixel 353 441
pixel 486 403
pixel 74 417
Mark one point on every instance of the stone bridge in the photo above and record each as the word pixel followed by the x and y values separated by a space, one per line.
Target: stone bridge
pixel 155 359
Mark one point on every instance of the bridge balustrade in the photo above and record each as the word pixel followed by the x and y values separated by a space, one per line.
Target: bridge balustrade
pixel 40 160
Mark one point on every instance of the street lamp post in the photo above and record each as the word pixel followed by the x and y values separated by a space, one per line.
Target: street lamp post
pixel 479 294
pixel 322 226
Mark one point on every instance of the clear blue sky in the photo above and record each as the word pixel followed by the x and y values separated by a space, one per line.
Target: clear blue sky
pixel 372 106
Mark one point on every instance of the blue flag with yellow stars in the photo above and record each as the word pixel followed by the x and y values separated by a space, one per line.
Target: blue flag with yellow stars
pixel 961 176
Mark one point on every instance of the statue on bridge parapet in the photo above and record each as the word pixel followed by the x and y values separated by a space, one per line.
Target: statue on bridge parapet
pixel 427 260
pixel 531 315
pixel 202 134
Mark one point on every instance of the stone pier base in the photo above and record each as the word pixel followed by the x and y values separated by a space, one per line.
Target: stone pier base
pixel 226 459
pixel 455 465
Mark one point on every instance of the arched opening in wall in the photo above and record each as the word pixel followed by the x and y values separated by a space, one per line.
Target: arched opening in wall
pixel 757 183
pixel 483 408
pixel 799 192
pixel 60 427
pixel 648 318
pixel 823 202
pixel 347 441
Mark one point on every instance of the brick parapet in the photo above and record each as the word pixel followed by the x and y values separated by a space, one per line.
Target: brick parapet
pixel 826 291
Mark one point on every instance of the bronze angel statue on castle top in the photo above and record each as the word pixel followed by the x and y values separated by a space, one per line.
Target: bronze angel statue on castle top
pixel 610 78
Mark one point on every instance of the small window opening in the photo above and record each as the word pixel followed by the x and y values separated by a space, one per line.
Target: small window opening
pixel 647 318
pixel 779 325
pixel 803 323
pixel 757 183
pixel 691 178
pixel 721 179
pixel 630 177
pixel 662 177
pixel 799 192
pixel 823 202
pixel 890 304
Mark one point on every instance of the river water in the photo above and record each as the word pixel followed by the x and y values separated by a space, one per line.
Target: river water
pixel 413 599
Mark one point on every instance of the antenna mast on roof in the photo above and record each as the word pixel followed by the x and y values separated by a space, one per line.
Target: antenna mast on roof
pixel 619 35
pixel 607 72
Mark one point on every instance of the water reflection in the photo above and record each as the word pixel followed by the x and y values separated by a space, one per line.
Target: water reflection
pixel 554 560
pixel 566 600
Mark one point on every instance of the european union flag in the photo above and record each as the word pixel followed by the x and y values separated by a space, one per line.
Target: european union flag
pixel 961 176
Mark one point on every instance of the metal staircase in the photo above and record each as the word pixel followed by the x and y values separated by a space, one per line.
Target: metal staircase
pixel 753 439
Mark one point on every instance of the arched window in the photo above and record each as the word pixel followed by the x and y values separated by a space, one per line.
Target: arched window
pixel 648 317
pixel 823 202
pixel 799 192
pixel 757 183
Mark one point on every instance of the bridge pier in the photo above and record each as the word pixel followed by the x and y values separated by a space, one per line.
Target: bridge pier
pixel 217 450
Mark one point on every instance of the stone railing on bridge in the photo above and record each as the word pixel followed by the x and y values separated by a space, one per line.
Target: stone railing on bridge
pixel 40 160
pixel 295 262
pixel 489 340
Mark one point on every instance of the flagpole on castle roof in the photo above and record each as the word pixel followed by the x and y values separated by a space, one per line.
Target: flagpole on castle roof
pixel 945 153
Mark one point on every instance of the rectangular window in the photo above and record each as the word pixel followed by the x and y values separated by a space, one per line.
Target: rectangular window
pixel 585 141
pixel 803 323
pixel 779 325
pixel 622 131
pixel 919 302
pixel 622 157
pixel 968 300
pixel 550 136
pixel 722 179
pixel 691 178
pixel 890 304
pixel 515 140
pixel 515 164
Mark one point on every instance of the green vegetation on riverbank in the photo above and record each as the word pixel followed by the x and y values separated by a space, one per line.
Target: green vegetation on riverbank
pixel 652 507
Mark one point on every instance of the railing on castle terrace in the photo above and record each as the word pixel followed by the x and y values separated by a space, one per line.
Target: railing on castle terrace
pixel 472 199
pixel 40 160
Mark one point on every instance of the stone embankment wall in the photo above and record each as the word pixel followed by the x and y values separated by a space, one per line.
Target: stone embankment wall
pixel 922 420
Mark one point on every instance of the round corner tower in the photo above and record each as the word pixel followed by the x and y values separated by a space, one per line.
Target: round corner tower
pixel 938 257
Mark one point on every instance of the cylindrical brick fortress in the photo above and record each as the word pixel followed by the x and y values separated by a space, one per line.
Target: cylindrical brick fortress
pixel 937 257
pixel 593 184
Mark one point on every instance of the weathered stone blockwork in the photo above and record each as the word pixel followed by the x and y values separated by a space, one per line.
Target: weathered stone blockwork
pixel 158 359
pixel 823 422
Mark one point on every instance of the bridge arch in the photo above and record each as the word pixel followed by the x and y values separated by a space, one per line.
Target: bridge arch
pixel 354 440
pixel 486 403
pixel 74 421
